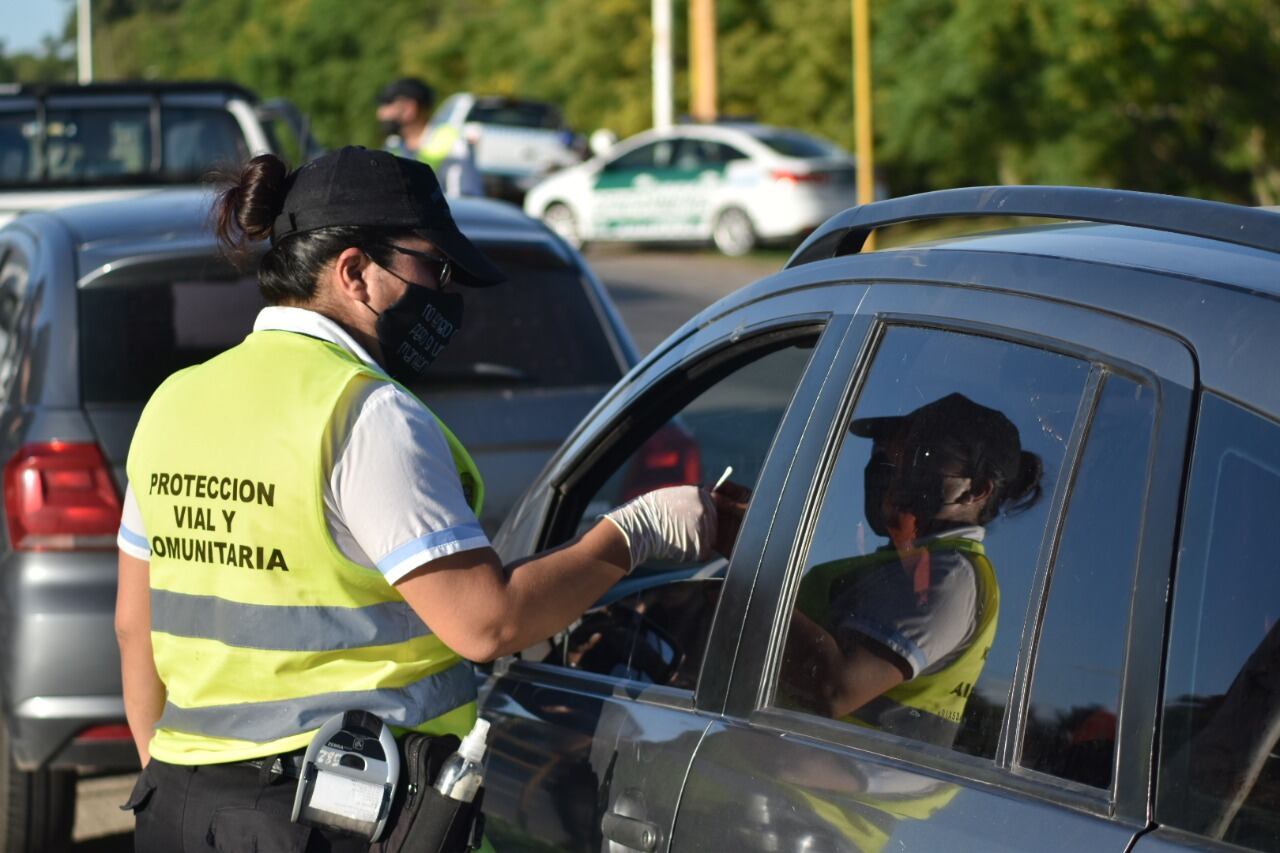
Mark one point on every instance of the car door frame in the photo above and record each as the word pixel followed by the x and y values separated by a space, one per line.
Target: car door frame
pixel 1157 357
pixel 788 312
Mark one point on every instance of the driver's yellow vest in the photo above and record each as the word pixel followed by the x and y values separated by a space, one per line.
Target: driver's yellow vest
pixel 928 707
pixel 261 628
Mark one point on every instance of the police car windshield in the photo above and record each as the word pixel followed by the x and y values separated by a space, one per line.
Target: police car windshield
pixel 516 114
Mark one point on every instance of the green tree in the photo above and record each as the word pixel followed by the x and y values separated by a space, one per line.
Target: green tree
pixel 1161 95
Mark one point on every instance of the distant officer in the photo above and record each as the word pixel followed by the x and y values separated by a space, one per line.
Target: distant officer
pixel 404 112
pixel 300 537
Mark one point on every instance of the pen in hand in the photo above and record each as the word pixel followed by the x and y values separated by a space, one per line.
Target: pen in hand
pixel 724 478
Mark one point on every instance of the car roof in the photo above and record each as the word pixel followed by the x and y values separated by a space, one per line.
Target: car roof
pixel 1223 244
pixel 1210 261
pixel 178 220
pixel 222 87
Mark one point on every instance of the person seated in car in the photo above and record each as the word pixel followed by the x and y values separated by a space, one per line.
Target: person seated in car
pixel 897 638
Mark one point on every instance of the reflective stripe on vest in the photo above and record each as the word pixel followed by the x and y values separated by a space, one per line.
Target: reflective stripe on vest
pixel 930 706
pixel 261 627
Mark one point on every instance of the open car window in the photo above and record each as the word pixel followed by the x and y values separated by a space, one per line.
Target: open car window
pixel 654 625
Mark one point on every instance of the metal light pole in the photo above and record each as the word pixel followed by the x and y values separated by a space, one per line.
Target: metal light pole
pixel 84 42
pixel 661 63
pixel 862 108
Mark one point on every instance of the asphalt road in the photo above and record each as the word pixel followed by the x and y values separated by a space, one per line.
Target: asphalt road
pixel 655 291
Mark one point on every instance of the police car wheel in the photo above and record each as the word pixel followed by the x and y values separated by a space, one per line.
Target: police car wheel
pixel 733 234
pixel 560 219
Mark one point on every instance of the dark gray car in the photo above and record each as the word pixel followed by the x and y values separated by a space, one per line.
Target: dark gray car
pixel 1127 695
pixel 98 304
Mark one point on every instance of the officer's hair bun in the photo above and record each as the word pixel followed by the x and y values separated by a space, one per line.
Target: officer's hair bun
pixel 249 201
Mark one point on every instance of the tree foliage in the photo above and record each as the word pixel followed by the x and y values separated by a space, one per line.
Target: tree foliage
pixel 1161 95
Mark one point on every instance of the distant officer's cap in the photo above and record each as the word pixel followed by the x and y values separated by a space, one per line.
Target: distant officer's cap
pixel 407 87
pixel 356 186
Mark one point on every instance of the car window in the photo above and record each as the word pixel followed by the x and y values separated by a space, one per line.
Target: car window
pixel 96 144
pixel 132 336
pixel 1220 773
pixel 697 154
pixel 655 155
pixel 793 144
pixel 14 275
pixel 653 626
pixel 909 608
pixel 197 140
pixel 540 328
pixel 1075 691
pixel 526 114
pixel 19 158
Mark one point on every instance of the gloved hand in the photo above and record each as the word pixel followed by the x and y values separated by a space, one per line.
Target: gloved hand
pixel 677 523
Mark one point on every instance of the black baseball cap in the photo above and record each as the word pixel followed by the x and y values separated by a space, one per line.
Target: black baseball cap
pixel 364 187
pixel 987 434
pixel 407 87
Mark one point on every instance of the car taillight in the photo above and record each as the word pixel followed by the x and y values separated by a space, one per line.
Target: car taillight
pixel 110 731
pixel 59 496
pixel 789 178
pixel 669 458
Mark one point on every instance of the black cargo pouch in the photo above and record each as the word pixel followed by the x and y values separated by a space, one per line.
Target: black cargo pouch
pixel 422 820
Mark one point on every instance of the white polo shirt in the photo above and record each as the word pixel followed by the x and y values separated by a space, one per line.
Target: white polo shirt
pixel 393 500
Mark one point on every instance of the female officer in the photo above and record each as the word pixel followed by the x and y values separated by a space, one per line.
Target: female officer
pixel 896 639
pixel 300 534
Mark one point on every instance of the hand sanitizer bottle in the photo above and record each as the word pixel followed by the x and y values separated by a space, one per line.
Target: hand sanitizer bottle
pixel 462 773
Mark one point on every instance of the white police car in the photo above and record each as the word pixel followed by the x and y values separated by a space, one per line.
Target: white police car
pixel 736 185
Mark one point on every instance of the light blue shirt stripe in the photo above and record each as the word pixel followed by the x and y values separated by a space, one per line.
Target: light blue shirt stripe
pixel 431 543
pixel 134 544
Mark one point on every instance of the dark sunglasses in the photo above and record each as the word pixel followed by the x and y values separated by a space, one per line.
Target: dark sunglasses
pixel 444 267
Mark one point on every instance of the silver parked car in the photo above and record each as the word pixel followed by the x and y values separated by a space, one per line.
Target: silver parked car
pixel 1095 669
pixel 98 304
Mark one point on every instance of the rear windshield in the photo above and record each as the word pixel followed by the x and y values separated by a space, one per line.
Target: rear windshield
pixel 790 144
pixel 537 330
pixel 516 114
pixel 98 145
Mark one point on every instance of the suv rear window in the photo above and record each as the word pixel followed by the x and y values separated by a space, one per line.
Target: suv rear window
pixel 105 145
pixel 516 114
pixel 540 328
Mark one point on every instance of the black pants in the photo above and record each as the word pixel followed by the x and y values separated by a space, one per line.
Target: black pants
pixel 224 807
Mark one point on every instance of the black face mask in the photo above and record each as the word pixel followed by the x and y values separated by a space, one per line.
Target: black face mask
pixel 415 328
pixel 390 127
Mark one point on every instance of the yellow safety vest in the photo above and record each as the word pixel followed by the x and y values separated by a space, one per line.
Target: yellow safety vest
pixel 261 628
pixel 927 707
pixel 437 144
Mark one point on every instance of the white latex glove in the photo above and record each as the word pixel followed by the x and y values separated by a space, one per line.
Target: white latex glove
pixel 677 523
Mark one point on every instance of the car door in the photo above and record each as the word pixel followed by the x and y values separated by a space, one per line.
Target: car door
pixel 649 193
pixel 593 730
pixel 1219 781
pixel 1049 744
